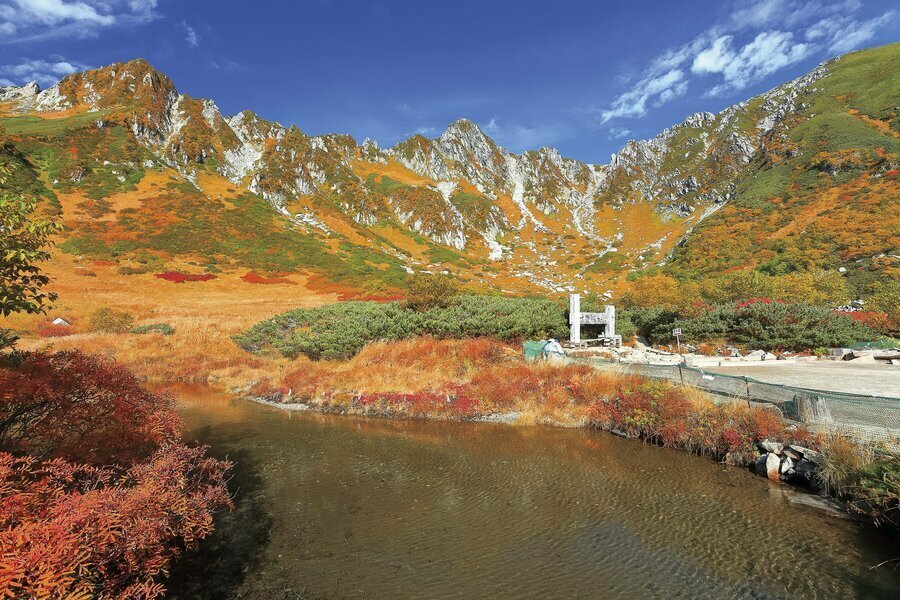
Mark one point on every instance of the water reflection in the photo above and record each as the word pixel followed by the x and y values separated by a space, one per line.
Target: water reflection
pixel 333 507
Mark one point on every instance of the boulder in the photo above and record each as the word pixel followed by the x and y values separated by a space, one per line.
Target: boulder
pixel 773 466
pixel 807 470
pixel 755 355
pixel 792 454
pixel 809 454
pixel 813 408
pixel 866 359
pixel 769 356
pixel 771 446
pixel 787 466
pixel 760 466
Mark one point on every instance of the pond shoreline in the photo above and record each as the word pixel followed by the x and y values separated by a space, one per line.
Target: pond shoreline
pixel 828 505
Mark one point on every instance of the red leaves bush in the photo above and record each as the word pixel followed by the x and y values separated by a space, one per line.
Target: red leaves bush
pixel 876 321
pixel 752 301
pixel 69 530
pixel 450 400
pixel 254 277
pixel 668 415
pixel 177 277
pixel 49 330
pixel 86 408
pixel 97 494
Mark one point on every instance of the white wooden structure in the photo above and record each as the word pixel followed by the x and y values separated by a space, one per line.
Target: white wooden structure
pixel 605 320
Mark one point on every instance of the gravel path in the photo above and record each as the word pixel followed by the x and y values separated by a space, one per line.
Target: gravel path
pixel 872 379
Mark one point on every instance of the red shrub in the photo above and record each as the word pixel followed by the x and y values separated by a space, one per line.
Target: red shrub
pixel 253 277
pixel 453 399
pixel 767 423
pixel 479 351
pixel 176 277
pixel 878 321
pixel 732 437
pixel 50 330
pixel 750 301
pixel 84 407
pixel 505 386
pixel 70 528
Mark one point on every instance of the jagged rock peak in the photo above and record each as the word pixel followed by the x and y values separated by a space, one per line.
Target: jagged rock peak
pixel 464 126
pixel 465 130
pixel 16 93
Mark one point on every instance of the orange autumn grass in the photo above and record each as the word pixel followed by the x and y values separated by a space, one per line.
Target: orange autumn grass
pixel 204 314
pixel 475 378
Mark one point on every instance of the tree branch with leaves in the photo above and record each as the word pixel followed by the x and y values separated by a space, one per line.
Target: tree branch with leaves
pixel 24 243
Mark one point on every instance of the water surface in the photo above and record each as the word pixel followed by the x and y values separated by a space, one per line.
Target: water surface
pixel 346 507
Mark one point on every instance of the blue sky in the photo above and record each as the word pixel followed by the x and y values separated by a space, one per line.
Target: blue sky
pixel 581 76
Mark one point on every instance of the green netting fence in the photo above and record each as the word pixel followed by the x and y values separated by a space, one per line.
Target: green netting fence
pixel 865 417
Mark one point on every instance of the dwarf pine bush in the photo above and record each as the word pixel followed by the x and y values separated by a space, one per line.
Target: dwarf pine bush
pixel 339 331
pixel 762 324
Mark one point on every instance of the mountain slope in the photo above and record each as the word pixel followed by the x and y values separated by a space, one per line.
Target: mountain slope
pixel 804 176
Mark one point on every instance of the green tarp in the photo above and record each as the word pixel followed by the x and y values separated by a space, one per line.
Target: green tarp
pixel 533 350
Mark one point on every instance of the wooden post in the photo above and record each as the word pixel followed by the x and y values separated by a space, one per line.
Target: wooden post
pixel 575 318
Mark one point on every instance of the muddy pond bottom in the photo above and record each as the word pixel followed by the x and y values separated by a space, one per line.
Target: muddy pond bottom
pixel 346 507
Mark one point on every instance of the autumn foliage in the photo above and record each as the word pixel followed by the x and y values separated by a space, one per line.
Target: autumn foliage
pixel 177 277
pixel 47 329
pixel 97 494
pixel 254 277
pixel 475 378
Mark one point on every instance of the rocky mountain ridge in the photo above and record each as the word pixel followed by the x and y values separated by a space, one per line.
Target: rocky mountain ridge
pixel 191 132
pixel 532 211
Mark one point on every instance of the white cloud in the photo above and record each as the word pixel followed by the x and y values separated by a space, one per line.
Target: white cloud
pixel 190 35
pixel 679 89
pixel 492 126
pixel 45 72
pixel 52 12
pixel 619 133
pixel 714 58
pixel 770 51
pixel 756 39
pixel 142 6
pixel 843 35
pixel 30 20
pixel 633 103
pixel 757 14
